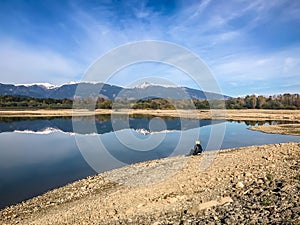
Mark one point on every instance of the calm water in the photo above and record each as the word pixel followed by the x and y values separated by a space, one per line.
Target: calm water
pixel 40 154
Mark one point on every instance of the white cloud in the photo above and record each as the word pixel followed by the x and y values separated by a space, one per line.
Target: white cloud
pixel 277 63
pixel 204 28
pixel 198 9
pixel 20 63
pixel 220 33
pixel 291 63
pixel 259 71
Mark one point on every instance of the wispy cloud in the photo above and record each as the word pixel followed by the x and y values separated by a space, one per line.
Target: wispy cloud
pixel 255 70
pixel 22 64
pixel 241 41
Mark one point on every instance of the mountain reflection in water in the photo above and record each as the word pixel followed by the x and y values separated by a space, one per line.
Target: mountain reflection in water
pixel 103 123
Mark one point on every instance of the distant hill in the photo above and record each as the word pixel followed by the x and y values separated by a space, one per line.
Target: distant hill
pixel 110 92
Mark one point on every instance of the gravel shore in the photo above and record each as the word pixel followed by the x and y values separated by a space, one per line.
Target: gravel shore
pixel 250 185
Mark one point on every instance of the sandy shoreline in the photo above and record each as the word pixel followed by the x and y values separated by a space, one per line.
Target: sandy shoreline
pixel 291 129
pixel 256 184
pixel 249 114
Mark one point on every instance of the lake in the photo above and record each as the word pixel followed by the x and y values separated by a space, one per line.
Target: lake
pixel 39 154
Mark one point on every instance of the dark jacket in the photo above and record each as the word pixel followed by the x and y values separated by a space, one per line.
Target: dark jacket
pixel 197 150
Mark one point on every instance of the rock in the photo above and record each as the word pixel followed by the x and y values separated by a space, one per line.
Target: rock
pixel 194 211
pixel 296 210
pixel 172 200
pixel 225 200
pixel 210 204
pixel 140 205
pixel 247 174
pixel 156 223
pixel 83 188
pixel 240 185
pixel 260 181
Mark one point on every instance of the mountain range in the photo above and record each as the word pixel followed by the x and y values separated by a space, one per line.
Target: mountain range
pixel 107 91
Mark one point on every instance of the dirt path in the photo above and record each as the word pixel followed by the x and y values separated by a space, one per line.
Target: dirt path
pixel 251 185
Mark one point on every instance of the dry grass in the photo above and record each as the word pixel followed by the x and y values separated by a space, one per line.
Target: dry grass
pixel 250 114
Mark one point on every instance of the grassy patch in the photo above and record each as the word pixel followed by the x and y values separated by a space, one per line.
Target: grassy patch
pixel 266 202
pixel 270 177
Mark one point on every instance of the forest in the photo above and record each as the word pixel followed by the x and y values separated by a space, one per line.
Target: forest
pixel 22 102
pixel 284 101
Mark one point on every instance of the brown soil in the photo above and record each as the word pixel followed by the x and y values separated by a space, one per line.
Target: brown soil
pixel 251 185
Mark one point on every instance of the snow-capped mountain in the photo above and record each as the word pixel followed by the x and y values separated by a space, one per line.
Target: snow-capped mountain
pixel 45 85
pixel 59 92
pixel 112 92
pixel 104 125
pixel 147 85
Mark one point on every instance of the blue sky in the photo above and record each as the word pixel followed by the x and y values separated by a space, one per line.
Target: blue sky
pixel 250 46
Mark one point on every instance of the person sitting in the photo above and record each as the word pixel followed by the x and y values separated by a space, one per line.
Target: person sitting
pixel 197 149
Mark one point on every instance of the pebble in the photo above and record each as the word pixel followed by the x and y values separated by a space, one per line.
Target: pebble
pixel 260 181
pixel 240 185
pixel 247 174
pixel 156 223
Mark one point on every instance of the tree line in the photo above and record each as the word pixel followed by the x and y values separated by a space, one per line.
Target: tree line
pixel 21 102
pixel 285 101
